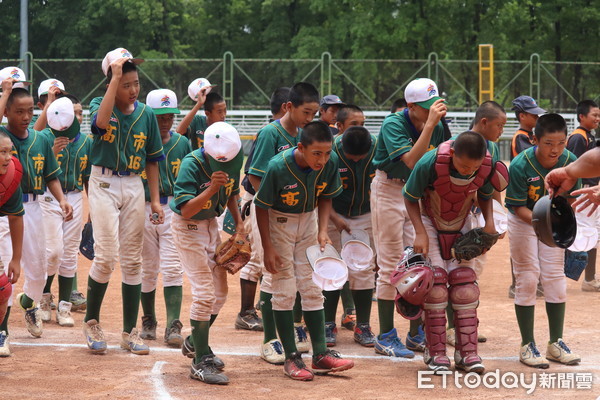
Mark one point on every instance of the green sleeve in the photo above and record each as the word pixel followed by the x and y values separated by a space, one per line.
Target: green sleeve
pixel 395 137
pixel 265 197
pixel 14 205
pixel 420 177
pixel 516 192
pixel 154 149
pixel 51 168
pixel 334 182
pixel 188 182
pixel 486 191
pixel 85 174
pixel 263 152
pixel 95 105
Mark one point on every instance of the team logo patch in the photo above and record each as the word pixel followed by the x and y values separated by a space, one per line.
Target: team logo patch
pixel 533 179
pixel 165 101
pixel 125 53
pixel 281 220
pixel 48 199
pixel 431 91
pixel 113 119
pixel 288 187
pixel 222 159
pixel 343 170
pixel 54 83
pixel 104 185
pixel 192 227
pixel 15 74
pixel 284 147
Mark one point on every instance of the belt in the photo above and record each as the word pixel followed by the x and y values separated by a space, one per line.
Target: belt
pixel 116 173
pixel 164 199
pixel 27 197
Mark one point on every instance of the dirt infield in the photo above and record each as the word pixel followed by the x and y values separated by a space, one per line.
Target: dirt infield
pixel 58 365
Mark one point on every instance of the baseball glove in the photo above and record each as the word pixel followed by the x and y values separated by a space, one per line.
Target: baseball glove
pixel 575 263
pixel 86 247
pixel 234 253
pixel 473 244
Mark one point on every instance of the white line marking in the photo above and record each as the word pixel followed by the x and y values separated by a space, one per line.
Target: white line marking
pixel 160 390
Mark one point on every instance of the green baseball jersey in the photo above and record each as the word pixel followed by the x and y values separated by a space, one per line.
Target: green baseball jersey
pixel 175 150
pixel 356 179
pixel 193 178
pixel 397 137
pixel 38 160
pixel 33 121
pixel 290 189
pixel 128 141
pixel 14 205
pixel 423 176
pixel 195 131
pixel 270 140
pixel 74 161
pixel 527 176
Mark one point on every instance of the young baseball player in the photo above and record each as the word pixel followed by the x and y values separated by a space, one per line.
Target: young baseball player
pixel 398 105
pixel 159 252
pixel 193 126
pixel 72 150
pixel 40 169
pixel 208 181
pixel 533 261
pixel 448 181
pixel 126 142
pixel 355 149
pixel 249 275
pixel 294 182
pixel 581 140
pixel 404 138
pixel 49 89
pixel 280 135
pixel 328 108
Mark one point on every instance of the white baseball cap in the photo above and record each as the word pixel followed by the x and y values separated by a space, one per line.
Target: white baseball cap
pixel 61 118
pixel 195 87
pixel 422 91
pixel 45 86
pixel 115 54
pixel 162 101
pixel 330 272
pixel 356 251
pixel 222 143
pixel 16 73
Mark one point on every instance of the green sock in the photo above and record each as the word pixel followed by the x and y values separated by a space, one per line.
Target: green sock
pixel 298 308
pixel 347 300
pixel 414 326
pixel 65 285
pixel 315 323
pixel 147 300
pixel 131 305
pixel 362 301
pixel 331 303
pixel 75 283
pixel 266 310
pixel 450 315
pixel 213 318
pixel 556 320
pixel 4 324
pixel 173 296
pixel 26 302
pixel 386 315
pixel 284 321
pixel 49 281
pixel 199 338
pixel 95 295
pixel 590 269
pixel 525 319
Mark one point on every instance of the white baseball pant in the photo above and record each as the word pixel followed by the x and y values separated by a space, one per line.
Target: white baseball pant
pixel 252 270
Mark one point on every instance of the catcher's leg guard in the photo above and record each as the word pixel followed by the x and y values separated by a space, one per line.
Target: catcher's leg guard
pixel 435 322
pixel 464 295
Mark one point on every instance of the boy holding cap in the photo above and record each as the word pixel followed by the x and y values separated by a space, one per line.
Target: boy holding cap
pixel 215 110
pixel 48 91
pixel 295 181
pixel 404 138
pixel 208 181
pixel 72 150
pixel 355 148
pixel 328 108
pixel 159 252
pixel 40 169
pixel 126 142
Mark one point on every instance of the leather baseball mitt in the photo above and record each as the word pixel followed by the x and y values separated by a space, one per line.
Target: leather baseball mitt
pixel 473 244
pixel 234 253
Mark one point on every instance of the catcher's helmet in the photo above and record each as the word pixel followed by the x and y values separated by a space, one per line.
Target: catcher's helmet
pixel 554 222
pixel 413 279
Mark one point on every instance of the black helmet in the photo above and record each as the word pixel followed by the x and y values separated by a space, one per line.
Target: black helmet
pixel 554 222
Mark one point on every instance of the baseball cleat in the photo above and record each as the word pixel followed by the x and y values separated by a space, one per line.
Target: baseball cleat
pixel 78 300
pixel 272 352
pixel 4 346
pixel 363 334
pixel 590 286
pixel 302 343
pixel 206 371
pixel 330 361
pixel 188 350
pixel 530 356
pixel 249 320
pixel 560 352
pixel 134 343
pixel 63 315
pixel 173 334
pixel 94 337
pixel 349 319
pixel 330 334
pixel 389 344
pixel 149 325
pixel 33 318
pixel 470 363
pixel 46 307
pixel 295 368
pixel 417 342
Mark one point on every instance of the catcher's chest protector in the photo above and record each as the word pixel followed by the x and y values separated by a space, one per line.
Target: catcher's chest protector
pixel 10 181
pixel 452 198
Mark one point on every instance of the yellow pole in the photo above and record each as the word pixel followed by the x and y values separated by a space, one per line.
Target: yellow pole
pixel 486 72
